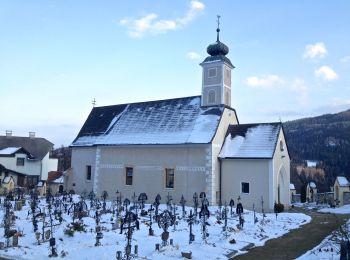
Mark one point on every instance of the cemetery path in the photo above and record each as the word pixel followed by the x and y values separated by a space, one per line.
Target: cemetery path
pixel 298 241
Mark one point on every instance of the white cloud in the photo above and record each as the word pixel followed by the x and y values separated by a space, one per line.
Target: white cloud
pixel 264 81
pixel 193 55
pixel 345 59
pixel 196 8
pixel 317 50
pixel 326 73
pixel 151 24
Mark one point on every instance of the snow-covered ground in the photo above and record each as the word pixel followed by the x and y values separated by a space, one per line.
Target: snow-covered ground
pixel 329 248
pixel 216 246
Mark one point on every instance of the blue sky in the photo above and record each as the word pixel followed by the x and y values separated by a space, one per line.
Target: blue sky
pixel 292 58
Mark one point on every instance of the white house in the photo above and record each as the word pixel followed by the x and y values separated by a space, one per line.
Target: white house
pixel 27 158
pixel 341 188
pixel 175 147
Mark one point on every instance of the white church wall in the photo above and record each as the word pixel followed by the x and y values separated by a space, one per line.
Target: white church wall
pixel 228 117
pixel 281 164
pixel 149 164
pixel 252 171
pixel 81 157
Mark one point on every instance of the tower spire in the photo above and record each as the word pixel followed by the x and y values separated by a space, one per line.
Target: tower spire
pixel 218 29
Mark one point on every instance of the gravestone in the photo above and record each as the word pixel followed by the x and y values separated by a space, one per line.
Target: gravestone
pixel 15 241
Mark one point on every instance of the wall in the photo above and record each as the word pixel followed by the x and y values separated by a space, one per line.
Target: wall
pixel 228 117
pixel 31 167
pixel 253 171
pixel 148 163
pixel 48 164
pixel 281 176
pixel 81 156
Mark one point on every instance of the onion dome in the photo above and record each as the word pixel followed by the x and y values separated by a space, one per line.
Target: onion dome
pixel 218 50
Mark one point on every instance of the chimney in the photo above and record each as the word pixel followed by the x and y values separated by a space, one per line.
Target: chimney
pixel 8 132
pixel 32 134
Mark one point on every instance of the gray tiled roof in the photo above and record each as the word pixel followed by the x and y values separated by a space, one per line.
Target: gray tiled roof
pixel 36 146
pixel 251 140
pixel 172 121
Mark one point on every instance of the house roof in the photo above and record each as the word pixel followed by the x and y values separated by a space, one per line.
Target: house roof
pixel 11 151
pixel 251 141
pixel 5 170
pixel 36 146
pixel 343 181
pixel 7 179
pixel 171 121
pixel 55 177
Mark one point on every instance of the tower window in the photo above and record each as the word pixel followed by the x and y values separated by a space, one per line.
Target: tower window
pixel 227 77
pixel 212 72
pixel 211 96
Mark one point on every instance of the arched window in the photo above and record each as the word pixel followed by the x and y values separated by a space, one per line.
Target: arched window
pixel 281 146
pixel 211 97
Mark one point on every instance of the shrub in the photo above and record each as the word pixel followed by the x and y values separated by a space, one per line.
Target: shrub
pixel 278 208
pixel 69 232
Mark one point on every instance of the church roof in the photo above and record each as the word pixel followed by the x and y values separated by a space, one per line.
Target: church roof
pixel 171 121
pixel 251 141
pixel 36 146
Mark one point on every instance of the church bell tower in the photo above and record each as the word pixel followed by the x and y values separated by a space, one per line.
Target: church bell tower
pixel 216 74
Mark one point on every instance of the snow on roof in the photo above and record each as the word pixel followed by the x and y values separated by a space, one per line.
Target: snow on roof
pixel 40 184
pixel 172 121
pixel 9 150
pixel 312 185
pixel 343 181
pixel 251 141
pixel 7 179
pixel 59 180
pixel 291 186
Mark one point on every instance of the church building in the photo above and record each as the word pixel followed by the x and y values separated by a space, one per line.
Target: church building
pixel 183 145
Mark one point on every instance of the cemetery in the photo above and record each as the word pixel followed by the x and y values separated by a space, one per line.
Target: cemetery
pixel 92 226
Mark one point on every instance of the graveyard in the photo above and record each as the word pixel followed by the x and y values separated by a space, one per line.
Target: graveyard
pixel 93 226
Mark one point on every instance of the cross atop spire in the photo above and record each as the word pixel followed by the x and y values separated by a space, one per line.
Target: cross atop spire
pixel 218 29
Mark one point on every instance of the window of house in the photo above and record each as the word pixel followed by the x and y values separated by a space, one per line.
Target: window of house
pixel 88 172
pixel 169 178
pixel 245 187
pixel 211 96
pixel 212 72
pixel 20 162
pixel 128 175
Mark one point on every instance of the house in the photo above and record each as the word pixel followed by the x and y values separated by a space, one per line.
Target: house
pixel 311 191
pixel 55 182
pixel 6 184
pixel 177 147
pixel 341 190
pixel 26 157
